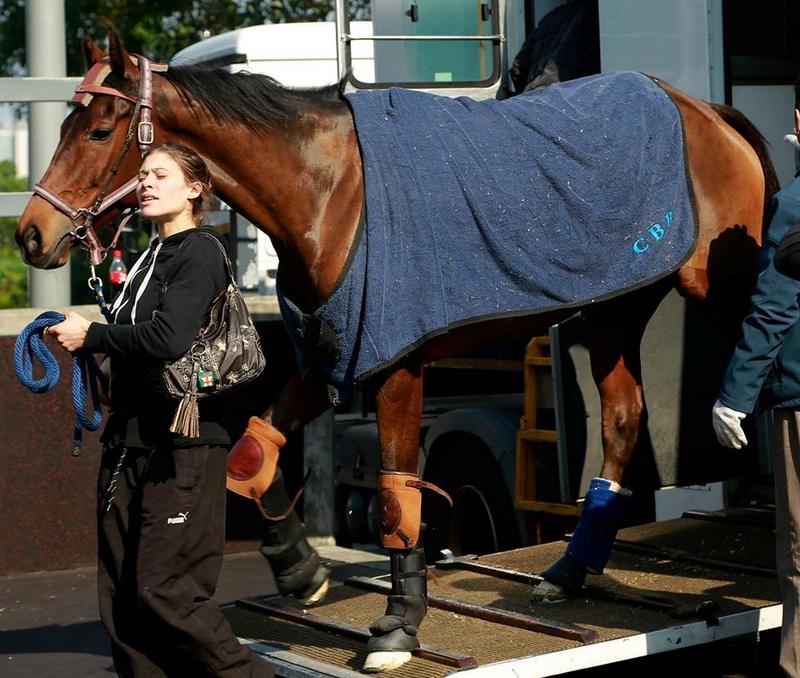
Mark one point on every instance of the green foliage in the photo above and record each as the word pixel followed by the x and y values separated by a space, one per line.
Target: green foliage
pixel 157 30
pixel 9 183
pixel 13 273
pixel 13 282
pixel 8 178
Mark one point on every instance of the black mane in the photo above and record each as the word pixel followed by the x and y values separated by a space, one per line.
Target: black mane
pixel 259 102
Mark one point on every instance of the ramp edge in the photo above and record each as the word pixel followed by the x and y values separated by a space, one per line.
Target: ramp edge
pixel 633 647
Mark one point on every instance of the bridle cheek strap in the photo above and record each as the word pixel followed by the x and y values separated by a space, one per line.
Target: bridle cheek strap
pixel 144 132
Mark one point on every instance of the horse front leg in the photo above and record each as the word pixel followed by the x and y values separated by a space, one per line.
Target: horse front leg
pixel 399 411
pixel 253 471
pixel 615 334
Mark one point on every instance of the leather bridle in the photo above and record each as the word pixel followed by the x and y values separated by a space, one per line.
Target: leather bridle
pixel 140 125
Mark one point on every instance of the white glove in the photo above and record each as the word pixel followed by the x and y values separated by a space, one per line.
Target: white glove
pixel 728 426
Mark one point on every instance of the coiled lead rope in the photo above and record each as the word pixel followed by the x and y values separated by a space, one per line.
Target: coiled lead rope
pixel 30 345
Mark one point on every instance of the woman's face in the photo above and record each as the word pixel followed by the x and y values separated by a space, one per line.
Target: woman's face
pixel 163 192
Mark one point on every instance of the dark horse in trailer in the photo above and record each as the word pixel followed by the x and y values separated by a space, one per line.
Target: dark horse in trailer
pixel 292 162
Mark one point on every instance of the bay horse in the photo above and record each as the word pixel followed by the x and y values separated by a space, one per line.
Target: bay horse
pixel 290 162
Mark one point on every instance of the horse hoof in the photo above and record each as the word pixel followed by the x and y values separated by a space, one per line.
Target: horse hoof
pixel 547 592
pixel 318 595
pixel 385 661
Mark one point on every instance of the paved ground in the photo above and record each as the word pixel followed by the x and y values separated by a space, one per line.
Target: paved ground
pixel 49 624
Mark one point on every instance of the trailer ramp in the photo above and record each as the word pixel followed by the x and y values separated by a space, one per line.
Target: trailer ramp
pixel 672 585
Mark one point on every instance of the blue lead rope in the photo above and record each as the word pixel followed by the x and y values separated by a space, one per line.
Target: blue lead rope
pixel 96 285
pixel 30 346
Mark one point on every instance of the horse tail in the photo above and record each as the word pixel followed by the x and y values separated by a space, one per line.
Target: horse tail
pixel 739 121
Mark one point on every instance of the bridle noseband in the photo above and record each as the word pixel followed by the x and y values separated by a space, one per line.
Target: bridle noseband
pixel 141 124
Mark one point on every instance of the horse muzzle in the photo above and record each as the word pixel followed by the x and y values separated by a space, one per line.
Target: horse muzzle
pixel 31 245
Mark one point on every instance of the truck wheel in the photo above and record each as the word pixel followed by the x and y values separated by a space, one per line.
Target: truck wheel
pixel 482 519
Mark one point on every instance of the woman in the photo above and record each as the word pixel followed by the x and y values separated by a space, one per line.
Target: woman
pixel 161 498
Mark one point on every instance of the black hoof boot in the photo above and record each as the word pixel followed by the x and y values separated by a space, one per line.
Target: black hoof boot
pixel 560 581
pixel 394 635
pixel 566 572
pixel 296 565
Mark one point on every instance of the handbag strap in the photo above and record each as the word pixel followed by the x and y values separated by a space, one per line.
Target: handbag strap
pixel 228 265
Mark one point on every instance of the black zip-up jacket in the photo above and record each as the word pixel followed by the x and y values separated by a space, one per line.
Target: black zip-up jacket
pixel 163 306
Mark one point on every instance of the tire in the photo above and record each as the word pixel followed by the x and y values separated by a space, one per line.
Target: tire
pixel 483 519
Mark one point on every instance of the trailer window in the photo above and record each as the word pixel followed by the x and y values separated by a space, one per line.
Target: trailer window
pixel 428 43
pixel 763 43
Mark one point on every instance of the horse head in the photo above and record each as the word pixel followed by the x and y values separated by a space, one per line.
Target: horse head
pixel 91 177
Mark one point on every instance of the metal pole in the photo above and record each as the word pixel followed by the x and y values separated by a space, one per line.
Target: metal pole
pixel 46 51
pixel 319 494
pixel 342 46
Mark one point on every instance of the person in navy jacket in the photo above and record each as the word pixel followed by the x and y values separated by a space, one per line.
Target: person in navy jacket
pixel 764 374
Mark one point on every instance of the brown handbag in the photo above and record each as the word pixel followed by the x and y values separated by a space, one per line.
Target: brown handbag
pixel 226 353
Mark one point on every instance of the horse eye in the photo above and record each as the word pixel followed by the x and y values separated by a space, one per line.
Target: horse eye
pixel 100 134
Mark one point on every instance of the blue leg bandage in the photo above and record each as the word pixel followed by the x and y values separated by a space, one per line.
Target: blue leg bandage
pixel 594 535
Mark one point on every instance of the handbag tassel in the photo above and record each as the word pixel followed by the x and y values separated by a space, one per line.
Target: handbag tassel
pixel 187 417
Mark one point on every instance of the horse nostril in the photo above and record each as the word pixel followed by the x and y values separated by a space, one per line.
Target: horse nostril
pixel 32 239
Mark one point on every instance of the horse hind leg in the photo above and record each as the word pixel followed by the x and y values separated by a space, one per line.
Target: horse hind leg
pixel 295 564
pixel 615 333
pixel 399 410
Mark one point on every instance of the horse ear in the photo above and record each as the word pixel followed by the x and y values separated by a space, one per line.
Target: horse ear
pixel 121 64
pixel 92 53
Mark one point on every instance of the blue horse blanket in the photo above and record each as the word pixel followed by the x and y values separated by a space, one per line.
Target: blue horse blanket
pixel 556 198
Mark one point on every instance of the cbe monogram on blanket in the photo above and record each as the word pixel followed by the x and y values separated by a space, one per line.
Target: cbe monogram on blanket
pixel 475 210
